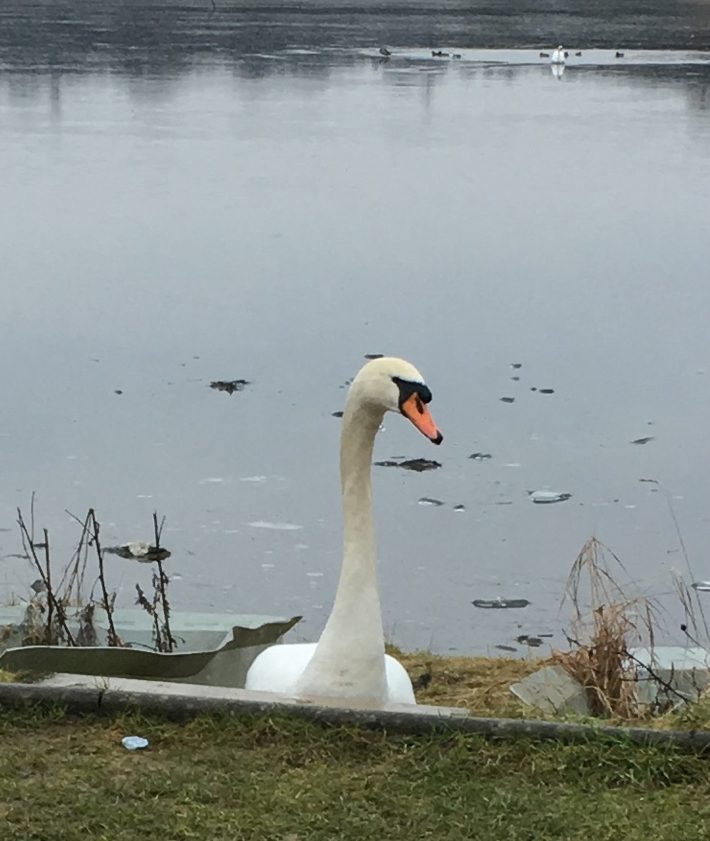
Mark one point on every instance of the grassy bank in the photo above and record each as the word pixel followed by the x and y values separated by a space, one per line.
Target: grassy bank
pixel 69 779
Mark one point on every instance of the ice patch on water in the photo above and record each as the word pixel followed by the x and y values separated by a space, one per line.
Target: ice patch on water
pixel 265 524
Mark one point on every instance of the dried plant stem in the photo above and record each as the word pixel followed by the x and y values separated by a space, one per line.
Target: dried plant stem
pixel 162 582
pixel 686 557
pixel 76 570
pixel 149 608
pixel 48 571
pixel 600 659
pixel 52 602
pixel 106 600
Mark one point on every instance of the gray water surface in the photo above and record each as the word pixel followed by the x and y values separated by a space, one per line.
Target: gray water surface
pixel 274 215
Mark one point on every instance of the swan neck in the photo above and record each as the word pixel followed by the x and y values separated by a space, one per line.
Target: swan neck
pixel 357 442
pixel 349 658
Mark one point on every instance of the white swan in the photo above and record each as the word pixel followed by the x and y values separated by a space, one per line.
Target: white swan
pixel 349 662
pixel 558 55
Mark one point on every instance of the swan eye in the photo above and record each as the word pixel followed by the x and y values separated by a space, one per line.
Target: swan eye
pixel 407 388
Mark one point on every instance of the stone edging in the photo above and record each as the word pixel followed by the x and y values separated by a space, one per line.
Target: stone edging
pixel 85 700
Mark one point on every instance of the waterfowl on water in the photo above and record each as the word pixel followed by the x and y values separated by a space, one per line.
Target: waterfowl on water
pixel 349 663
pixel 619 55
pixel 385 52
pixel 559 55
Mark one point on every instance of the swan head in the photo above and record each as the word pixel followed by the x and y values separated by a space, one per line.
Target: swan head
pixel 389 384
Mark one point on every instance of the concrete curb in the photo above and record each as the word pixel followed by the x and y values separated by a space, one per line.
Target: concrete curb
pixel 85 700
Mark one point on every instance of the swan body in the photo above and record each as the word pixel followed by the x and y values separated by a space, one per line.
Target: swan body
pixel 280 667
pixel 558 55
pixel 349 663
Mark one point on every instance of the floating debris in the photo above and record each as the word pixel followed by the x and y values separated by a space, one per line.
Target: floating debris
pixel 265 524
pixel 546 390
pixel 507 400
pixel 480 456
pixel 374 355
pixel 416 464
pixel 459 507
pixel 701 586
pixel 526 639
pixel 428 500
pixel 139 551
pixel 502 647
pixel 134 742
pixel 337 414
pixel 230 386
pixel 500 604
pixel 643 440
pixel 547 497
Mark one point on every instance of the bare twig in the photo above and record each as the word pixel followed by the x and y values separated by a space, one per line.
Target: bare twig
pixel 107 602
pixel 48 571
pixel 162 583
pixel 29 547
pixel 76 570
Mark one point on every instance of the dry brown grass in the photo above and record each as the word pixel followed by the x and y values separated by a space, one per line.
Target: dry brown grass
pixel 606 621
pixel 479 684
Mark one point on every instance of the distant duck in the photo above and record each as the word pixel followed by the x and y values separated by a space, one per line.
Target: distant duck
pixel 544 55
pixel 455 55
pixel 619 55
pixel 440 53
pixel 385 52
pixel 559 55
pixel 579 53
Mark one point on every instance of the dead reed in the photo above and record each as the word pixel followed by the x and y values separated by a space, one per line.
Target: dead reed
pixel 606 622
pixel 60 600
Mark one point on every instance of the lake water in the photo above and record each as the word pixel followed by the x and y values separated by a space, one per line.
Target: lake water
pixel 191 195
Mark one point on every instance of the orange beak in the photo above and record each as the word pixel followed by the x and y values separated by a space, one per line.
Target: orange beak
pixel 416 411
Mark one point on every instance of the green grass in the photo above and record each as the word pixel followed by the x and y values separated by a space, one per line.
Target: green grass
pixel 213 779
